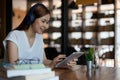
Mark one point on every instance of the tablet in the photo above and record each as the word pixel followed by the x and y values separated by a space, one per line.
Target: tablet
pixel 63 63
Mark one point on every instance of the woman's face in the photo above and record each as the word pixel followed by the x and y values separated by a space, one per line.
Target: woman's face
pixel 41 24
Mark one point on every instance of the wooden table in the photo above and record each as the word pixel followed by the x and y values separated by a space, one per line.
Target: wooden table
pixel 81 73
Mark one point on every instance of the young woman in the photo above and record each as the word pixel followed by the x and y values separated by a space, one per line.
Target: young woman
pixel 25 43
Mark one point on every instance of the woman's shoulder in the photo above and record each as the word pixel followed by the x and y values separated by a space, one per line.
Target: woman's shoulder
pixel 15 32
pixel 13 36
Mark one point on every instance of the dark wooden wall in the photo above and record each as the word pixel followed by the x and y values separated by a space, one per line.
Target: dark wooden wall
pixel 2 24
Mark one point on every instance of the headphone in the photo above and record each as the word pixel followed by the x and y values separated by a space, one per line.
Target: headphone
pixel 31 16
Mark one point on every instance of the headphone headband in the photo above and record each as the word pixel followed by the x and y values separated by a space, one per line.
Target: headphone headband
pixel 31 15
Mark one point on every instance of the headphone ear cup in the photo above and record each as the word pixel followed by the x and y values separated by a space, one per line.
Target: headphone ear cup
pixel 31 18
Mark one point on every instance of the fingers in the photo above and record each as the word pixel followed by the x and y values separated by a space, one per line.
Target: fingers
pixel 75 60
pixel 72 63
pixel 59 58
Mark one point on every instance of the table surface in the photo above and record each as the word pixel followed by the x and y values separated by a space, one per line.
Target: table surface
pixel 81 73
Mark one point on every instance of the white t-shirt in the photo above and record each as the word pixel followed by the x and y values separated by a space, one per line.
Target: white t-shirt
pixel 25 52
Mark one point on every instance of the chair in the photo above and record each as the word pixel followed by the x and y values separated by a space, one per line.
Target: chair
pixel 108 55
pixel 51 52
pixel 82 59
pixel 70 50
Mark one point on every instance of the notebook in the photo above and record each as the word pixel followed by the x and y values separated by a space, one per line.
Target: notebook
pixel 63 64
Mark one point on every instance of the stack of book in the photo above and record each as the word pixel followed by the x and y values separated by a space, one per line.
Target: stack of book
pixel 27 72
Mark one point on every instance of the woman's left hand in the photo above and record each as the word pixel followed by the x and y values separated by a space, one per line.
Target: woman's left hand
pixel 72 63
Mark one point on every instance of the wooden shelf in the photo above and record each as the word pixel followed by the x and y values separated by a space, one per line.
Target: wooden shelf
pixel 107 28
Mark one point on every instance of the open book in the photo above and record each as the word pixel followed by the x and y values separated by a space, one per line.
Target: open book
pixel 74 55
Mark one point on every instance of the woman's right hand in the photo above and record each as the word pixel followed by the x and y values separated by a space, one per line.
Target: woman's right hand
pixel 59 58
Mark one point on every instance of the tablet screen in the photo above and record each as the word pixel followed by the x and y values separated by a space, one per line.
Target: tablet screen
pixel 74 55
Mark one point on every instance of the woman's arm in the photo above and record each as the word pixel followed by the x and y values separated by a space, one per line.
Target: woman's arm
pixel 12 51
pixel 46 61
pixel 52 63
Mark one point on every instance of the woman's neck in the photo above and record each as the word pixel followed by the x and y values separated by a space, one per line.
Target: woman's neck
pixel 31 36
pixel 30 33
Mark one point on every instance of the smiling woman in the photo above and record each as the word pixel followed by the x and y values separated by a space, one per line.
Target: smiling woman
pixel 26 42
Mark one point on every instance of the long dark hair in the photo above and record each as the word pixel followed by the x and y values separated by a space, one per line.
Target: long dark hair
pixel 36 11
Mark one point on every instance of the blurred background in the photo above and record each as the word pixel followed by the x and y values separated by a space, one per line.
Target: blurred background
pixel 74 24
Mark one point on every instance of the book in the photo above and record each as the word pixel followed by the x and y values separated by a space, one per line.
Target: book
pixel 29 66
pixel 52 78
pixel 44 76
pixel 10 71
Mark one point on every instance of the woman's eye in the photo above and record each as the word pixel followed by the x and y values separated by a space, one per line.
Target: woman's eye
pixel 43 21
pixel 47 22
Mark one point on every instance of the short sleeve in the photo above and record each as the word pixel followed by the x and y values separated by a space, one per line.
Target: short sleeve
pixel 11 37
